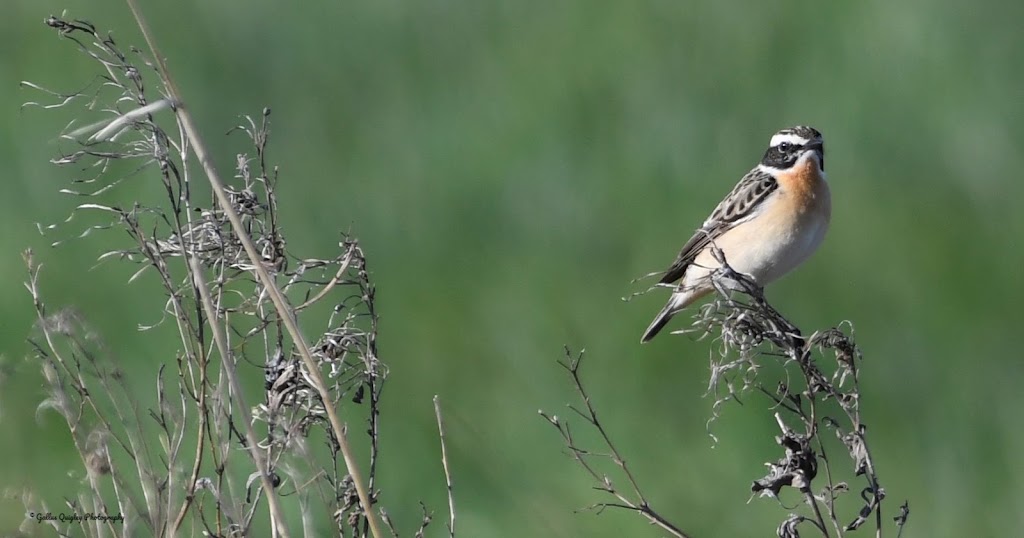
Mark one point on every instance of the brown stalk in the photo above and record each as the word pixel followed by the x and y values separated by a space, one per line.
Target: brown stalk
pixel 280 303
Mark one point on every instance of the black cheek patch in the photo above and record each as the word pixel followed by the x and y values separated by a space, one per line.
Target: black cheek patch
pixel 777 159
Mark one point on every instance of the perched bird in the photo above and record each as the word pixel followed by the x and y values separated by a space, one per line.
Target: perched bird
pixel 772 221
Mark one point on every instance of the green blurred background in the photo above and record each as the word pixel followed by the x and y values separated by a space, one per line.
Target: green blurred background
pixel 511 166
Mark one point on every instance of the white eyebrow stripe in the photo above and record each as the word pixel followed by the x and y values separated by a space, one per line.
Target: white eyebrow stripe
pixel 788 137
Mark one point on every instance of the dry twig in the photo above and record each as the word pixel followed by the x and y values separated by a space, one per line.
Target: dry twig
pixel 635 501
pixel 447 472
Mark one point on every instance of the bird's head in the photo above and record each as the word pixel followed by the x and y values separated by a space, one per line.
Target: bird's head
pixel 789 147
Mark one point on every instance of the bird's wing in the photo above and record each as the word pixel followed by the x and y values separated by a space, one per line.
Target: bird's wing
pixel 741 204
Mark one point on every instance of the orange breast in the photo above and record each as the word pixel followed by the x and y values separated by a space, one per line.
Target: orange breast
pixel 804 187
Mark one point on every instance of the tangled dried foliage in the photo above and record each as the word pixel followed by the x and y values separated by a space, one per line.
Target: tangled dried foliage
pixel 819 392
pixel 217 457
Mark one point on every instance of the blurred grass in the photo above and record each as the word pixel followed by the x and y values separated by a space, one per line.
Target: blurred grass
pixel 510 166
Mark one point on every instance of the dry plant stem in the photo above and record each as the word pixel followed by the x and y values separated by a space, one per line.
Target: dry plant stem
pixel 447 473
pixel 580 455
pixel 198 354
pixel 808 494
pixel 820 523
pixel 188 334
pixel 200 446
pixel 802 354
pixel 76 434
pixel 342 269
pixel 227 361
pixel 831 501
pixel 284 310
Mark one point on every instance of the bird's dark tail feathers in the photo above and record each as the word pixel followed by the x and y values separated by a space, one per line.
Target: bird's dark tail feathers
pixel 659 323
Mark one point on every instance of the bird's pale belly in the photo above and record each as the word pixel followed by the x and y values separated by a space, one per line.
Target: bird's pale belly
pixel 784 252
pixel 765 249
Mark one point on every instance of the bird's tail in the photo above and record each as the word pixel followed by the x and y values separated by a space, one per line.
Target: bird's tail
pixel 679 300
pixel 659 322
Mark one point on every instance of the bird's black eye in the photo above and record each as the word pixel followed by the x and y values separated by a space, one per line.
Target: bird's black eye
pixel 785 147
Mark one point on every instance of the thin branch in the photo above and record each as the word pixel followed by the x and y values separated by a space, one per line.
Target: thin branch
pixel 579 454
pixel 444 463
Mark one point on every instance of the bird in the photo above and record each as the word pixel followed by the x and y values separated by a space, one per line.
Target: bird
pixel 771 222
